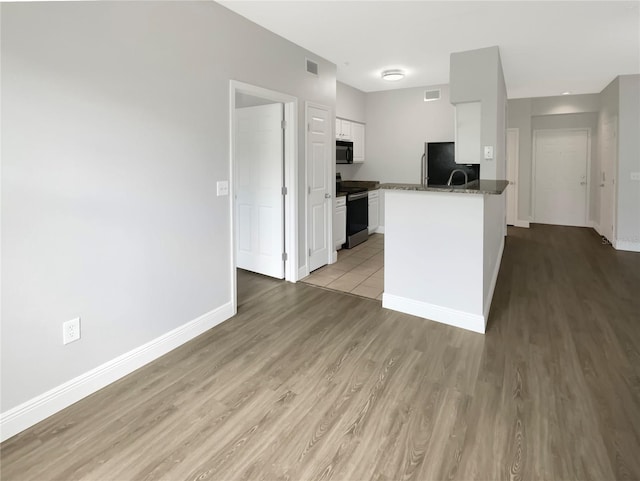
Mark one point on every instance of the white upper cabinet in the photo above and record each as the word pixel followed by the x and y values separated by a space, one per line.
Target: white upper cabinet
pixel 357 135
pixel 353 131
pixel 343 129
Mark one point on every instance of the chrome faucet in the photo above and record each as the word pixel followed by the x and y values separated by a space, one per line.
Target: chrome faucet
pixel 466 178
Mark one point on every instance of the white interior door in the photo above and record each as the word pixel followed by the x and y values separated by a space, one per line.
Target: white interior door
pixel 319 147
pixel 608 161
pixel 259 181
pixel 561 184
pixel 512 176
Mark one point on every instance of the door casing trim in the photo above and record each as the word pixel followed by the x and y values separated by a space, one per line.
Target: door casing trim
pixel 290 178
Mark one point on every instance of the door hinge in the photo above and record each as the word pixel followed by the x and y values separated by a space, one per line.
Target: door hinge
pixel 283 124
pixel 284 191
pixel 309 127
pixel 284 256
pixel 309 252
pixel 309 189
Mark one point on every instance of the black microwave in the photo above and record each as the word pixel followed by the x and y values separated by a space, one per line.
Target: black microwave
pixel 344 152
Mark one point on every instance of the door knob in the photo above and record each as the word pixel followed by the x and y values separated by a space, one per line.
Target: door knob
pixel 583 183
pixel 601 185
pixel 327 196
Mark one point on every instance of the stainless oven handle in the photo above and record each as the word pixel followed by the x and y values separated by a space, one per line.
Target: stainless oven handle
pixel 360 195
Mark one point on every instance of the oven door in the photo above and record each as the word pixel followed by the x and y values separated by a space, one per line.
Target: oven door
pixel 357 212
pixel 344 152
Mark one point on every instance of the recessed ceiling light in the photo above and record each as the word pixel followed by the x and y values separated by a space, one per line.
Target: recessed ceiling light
pixel 566 93
pixel 392 75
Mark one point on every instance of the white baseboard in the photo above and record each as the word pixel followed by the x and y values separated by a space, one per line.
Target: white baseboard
pixel 444 315
pixel 41 407
pixel 596 227
pixel 380 229
pixel 521 223
pixel 334 257
pixel 492 287
pixel 627 246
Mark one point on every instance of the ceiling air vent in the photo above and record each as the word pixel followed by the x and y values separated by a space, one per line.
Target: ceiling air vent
pixel 312 67
pixel 430 95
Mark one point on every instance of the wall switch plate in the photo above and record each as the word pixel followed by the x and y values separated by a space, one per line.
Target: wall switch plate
pixel 71 331
pixel 635 176
pixel 223 187
pixel 488 152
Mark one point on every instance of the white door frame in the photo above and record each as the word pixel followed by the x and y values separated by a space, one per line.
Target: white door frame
pixel 516 167
pixel 614 186
pixel 331 173
pixel 290 178
pixel 588 173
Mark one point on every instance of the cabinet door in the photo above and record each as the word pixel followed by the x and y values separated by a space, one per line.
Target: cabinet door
pixel 345 129
pixel 357 135
pixel 374 211
pixel 338 128
pixel 340 226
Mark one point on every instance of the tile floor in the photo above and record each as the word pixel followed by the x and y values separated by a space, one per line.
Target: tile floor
pixel 359 270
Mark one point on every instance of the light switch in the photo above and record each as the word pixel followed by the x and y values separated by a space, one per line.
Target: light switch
pixel 635 176
pixel 223 187
pixel 488 152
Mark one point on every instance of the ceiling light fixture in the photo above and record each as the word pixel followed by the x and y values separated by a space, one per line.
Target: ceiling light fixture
pixel 392 75
pixel 566 93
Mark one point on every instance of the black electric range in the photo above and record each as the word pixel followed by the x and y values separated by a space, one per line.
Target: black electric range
pixel 357 213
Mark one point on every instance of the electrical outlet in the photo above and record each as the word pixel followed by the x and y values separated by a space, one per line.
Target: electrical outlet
pixel 71 331
pixel 635 176
pixel 222 187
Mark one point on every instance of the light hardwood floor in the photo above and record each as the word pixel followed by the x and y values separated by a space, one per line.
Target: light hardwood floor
pixel 306 383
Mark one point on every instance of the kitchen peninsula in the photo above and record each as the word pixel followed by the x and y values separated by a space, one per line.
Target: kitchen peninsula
pixel 443 247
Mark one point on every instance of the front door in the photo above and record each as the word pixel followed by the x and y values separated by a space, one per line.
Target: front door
pixel 259 181
pixel 319 147
pixel 560 180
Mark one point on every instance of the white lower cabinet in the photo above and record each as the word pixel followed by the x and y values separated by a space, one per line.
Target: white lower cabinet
pixel 340 222
pixel 374 211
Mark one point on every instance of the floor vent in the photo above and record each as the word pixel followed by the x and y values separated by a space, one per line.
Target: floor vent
pixel 430 95
pixel 312 67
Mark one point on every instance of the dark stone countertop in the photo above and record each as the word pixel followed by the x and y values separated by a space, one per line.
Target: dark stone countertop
pixel 364 184
pixel 492 187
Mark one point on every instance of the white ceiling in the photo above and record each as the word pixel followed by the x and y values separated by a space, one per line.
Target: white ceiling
pixel 547 47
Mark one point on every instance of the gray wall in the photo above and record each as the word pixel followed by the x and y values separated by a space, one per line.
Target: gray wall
pixel 609 103
pixel 350 102
pixel 628 213
pixel 115 131
pixel 476 75
pixel 521 115
pixel 399 122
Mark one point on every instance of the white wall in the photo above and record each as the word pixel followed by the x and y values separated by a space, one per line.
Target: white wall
pixel 423 260
pixel 115 131
pixel 492 246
